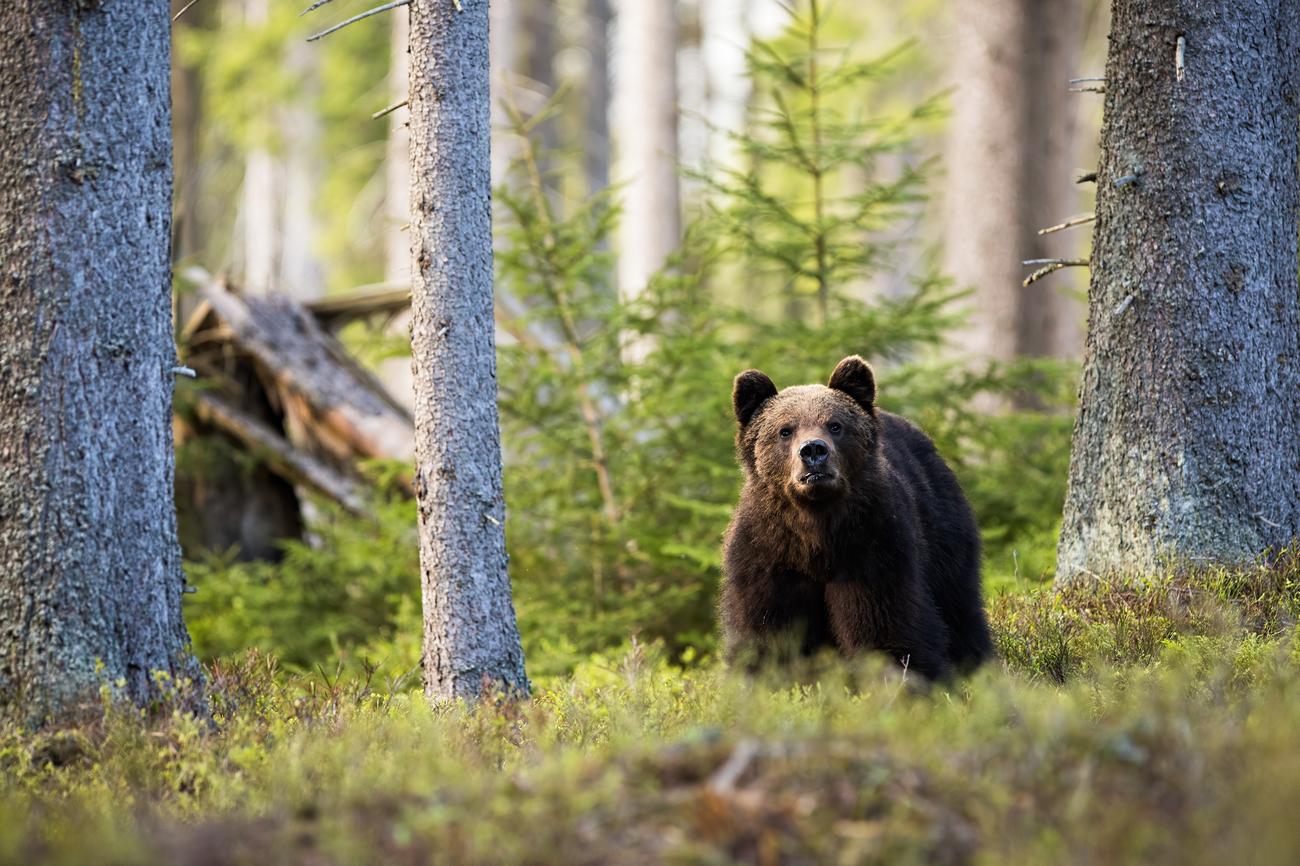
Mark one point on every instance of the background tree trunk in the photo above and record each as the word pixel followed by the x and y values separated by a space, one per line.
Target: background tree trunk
pixel 188 228
pixel 596 96
pixel 1011 161
pixel 503 53
pixel 645 139
pixel 396 373
pixel 1187 443
pixel 276 248
pixel 470 636
pixel 90 569
pixel 258 225
pixel 299 271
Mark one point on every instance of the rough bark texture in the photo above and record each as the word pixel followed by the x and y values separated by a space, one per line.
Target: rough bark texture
pixel 90 573
pixel 470 636
pixel 330 392
pixel 645 99
pixel 1187 443
pixel 1011 163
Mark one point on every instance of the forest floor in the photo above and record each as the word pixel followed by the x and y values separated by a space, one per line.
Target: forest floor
pixel 1122 725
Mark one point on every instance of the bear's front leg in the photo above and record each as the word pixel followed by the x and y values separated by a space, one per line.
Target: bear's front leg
pixel 902 624
pixel 769 616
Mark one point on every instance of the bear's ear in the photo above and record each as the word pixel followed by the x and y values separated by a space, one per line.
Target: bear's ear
pixel 853 376
pixel 752 388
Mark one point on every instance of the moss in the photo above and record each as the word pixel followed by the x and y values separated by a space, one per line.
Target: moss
pixel 1126 725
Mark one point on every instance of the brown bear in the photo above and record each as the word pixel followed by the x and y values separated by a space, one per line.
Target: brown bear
pixel 851 532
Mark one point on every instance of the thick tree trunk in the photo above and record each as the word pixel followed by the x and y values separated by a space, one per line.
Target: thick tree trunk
pixel 90 573
pixel 645 138
pixel 1010 164
pixel 1187 443
pixel 470 637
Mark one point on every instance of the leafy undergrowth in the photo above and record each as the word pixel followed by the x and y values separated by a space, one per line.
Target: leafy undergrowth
pixel 1126 725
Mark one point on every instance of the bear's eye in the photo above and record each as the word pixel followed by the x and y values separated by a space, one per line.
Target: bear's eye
pixel 787 432
pixel 835 427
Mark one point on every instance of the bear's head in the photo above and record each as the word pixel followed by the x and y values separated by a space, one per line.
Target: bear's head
pixel 809 442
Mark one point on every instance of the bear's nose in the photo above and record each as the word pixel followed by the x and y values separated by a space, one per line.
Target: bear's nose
pixel 814 452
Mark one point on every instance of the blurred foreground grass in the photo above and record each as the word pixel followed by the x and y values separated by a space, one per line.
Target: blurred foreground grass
pixel 1125 725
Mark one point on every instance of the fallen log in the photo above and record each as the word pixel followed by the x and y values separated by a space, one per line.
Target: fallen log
pixel 293 464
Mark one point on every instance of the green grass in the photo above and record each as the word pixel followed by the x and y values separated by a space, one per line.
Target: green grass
pixel 1125 725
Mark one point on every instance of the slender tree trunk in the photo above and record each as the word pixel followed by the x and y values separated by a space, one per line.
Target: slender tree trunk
pixel 503 53
pixel 1187 443
pixel 537 38
pixel 188 229
pixel 1011 157
pixel 276 249
pixel 90 572
pixel 726 33
pixel 259 225
pixel 645 99
pixel 397 202
pixel 596 92
pixel 470 637
pixel 397 373
pixel 299 269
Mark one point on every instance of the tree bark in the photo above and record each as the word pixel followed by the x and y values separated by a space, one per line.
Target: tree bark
pixel 645 99
pixel 90 572
pixel 1187 442
pixel 1011 158
pixel 470 637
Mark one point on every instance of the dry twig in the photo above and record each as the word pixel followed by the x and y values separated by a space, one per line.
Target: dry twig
pixel 355 18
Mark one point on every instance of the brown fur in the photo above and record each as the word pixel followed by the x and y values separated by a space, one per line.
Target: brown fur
pixel 851 531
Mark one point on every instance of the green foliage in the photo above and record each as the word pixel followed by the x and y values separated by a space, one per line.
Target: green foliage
pixel 1178 749
pixel 620 471
pixel 1057 633
pixel 350 598
pixel 257 78
pixel 617 427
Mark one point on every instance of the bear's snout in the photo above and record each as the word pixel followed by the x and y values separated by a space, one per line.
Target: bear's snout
pixel 814 454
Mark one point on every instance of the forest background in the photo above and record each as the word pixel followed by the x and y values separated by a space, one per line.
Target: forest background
pixel 865 180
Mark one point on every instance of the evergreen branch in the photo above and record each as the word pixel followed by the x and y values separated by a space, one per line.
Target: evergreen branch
pixel 550 272
pixel 355 18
